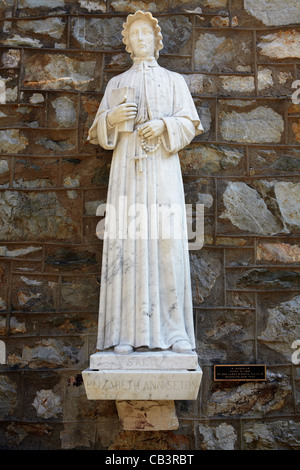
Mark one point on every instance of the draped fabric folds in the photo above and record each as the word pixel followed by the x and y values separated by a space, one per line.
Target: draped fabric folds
pixel 145 294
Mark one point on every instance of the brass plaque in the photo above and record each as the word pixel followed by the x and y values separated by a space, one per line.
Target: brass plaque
pixel 240 372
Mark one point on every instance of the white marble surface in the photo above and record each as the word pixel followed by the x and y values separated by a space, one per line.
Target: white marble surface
pixel 145 297
pixel 142 384
pixel 157 360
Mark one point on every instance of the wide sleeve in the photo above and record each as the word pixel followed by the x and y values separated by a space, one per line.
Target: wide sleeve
pixel 184 124
pixel 101 133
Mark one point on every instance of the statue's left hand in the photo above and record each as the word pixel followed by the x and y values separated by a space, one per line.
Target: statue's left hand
pixel 152 129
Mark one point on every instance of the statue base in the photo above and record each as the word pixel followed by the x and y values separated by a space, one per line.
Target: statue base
pixel 155 375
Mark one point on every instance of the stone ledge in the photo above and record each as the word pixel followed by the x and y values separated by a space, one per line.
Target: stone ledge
pixel 158 360
pixel 142 384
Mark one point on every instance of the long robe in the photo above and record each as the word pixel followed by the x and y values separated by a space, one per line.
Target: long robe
pixel 145 294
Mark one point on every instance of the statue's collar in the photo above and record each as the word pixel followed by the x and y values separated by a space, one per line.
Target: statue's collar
pixel 144 63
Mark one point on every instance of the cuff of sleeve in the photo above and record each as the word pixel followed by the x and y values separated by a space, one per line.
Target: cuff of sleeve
pixel 169 137
pixel 109 126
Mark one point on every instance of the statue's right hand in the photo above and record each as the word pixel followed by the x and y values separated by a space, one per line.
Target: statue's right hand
pixel 121 113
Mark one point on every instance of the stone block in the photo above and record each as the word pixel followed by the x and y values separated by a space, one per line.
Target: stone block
pixel 265 278
pixel 225 336
pixel 16 251
pixel 274 161
pixel 281 327
pixel 6 6
pixel 194 82
pixel 80 293
pixel 8 396
pixel 47 354
pixel 47 404
pixel 272 13
pixel 53 27
pixel 165 360
pixel 40 3
pixel 206 270
pixel 42 215
pixel 248 211
pixel 221 437
pixel 211 159
pixel 4 280
pixel 48 32
pixel 78 409
pixel 129 6
pixel 62 112
pixel 53 324
pixel 89 172
pixel 294 131
pixel 217 51
pixel 280 45
pixel 53 142
pixel 31 293
pixel 288 198
pixel 5 165
pixel 205 4
pixel 175 63
pixel 261 125
pixel 31 435
pixel 2 346
pixel 72 258
pixel 142 384
pixel 139 415
pixel 173 440
pixel 78 436
pixel 34 173
pixel 179 43
pixel 59 71
pixel 279 434
pixel 24 115
pixel 12 141
pixel 245 84
pixel 92 34
pixel 255 399
pixel 278 252
pixel 91 6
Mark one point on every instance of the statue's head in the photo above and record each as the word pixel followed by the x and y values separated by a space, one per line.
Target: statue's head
pixel 142 35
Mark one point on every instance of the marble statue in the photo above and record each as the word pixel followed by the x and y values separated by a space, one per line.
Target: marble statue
pixel 146 116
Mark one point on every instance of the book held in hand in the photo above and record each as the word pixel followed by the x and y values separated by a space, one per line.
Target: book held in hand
pixel 119 96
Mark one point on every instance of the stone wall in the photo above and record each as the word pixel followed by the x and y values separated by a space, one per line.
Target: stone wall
pixel 240 59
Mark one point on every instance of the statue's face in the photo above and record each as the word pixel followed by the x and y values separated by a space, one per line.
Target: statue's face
pixel 142 39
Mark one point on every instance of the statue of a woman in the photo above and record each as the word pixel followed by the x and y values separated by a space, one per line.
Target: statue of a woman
pixel 146 116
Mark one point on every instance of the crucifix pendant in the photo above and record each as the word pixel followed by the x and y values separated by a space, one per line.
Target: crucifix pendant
pixel 139 159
